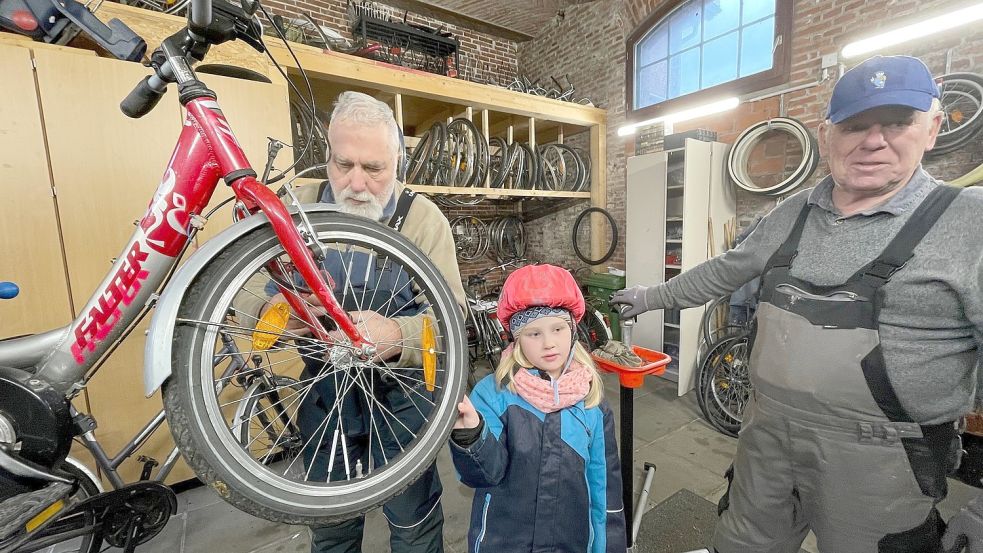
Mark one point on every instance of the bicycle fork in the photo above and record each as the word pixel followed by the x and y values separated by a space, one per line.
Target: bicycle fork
pixel 254 193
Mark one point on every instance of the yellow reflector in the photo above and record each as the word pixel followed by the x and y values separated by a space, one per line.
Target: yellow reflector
pixel 269 328
pixel 428 343
pixel 44 516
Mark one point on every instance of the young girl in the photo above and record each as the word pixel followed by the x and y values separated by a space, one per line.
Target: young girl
pixel 536 440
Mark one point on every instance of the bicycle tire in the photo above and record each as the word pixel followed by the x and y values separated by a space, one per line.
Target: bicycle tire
pixel 712 412
pixel 576 231
pixel 194 408
pixel 309 149
pixel 592 331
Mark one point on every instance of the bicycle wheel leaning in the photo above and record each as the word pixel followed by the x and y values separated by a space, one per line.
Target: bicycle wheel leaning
pixel 200 404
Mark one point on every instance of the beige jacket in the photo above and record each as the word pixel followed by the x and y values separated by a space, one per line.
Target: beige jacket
pixel 426 227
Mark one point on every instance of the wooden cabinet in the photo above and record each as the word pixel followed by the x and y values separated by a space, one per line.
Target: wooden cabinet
pixel 677 204
pixel 71 149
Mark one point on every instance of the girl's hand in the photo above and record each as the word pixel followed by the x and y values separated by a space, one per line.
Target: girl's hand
pixel 467 416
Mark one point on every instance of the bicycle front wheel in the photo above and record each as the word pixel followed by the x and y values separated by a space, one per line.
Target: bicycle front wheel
pixel 248 453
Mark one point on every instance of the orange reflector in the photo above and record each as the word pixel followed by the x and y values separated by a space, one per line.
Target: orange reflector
pixel 271 326
pixel 428 342
pixel 44 516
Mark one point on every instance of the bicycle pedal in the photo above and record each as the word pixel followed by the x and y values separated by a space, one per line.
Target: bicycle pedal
pixel 148 466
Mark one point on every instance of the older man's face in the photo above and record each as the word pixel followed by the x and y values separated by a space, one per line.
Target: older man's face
pixel 879 149
pixel 362 168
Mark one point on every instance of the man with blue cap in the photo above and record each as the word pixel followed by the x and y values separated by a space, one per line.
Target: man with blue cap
pixel 868 336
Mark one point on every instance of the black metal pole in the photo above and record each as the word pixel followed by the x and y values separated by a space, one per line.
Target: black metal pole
pixel 627 471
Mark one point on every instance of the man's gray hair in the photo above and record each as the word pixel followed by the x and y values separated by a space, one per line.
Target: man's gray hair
pixel 362 109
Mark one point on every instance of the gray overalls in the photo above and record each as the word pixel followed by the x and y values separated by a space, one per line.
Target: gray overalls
pixel 825 444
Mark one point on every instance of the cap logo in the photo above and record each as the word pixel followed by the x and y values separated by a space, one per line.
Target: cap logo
pixel 879 79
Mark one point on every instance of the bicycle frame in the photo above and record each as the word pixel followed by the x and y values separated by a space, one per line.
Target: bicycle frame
pixel 206 151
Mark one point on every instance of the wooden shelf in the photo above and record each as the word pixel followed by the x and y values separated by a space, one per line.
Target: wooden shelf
pixel 361 72
pixel 469 191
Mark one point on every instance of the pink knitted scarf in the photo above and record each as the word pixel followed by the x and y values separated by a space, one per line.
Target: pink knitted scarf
pixel 552 395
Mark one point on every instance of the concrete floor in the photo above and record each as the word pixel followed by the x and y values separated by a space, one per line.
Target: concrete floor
pixel 669 432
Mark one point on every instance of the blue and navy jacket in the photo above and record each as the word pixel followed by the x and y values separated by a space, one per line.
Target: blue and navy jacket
pixel 543 482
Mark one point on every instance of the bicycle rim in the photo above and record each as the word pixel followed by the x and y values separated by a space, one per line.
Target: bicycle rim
pixel 375 464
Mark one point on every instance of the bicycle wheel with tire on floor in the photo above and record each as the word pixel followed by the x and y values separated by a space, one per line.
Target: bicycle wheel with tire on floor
pixel 202 405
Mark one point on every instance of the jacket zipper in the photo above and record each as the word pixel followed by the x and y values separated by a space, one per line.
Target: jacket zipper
pixel 590 521
pixel 484 523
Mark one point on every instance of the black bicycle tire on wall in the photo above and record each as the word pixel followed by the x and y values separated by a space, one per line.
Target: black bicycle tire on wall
pixel 614 236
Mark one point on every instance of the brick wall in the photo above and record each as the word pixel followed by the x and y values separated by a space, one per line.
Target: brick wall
pixel 493 56
pixel 589 43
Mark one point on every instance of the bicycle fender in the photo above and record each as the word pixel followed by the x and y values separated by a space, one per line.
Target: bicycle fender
pixel 157 350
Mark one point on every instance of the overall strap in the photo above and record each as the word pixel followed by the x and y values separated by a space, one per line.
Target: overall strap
pixel 902 247
pixel 406 198
pixel 790 248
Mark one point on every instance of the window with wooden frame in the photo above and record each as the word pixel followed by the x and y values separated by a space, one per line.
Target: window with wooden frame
pixel 695 50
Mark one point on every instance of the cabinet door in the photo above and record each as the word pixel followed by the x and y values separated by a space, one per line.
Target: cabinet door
pixel 645 251
pixel 106 167
pixel 30 247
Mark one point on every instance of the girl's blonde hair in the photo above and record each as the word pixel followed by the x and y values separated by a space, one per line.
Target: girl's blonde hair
pixel 516 360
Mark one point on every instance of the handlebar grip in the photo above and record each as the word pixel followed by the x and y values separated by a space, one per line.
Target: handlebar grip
pixel 141 100
pixel 8 290
pixel 201 13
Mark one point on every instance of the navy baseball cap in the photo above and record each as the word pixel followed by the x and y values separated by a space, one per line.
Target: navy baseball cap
pixel 882 81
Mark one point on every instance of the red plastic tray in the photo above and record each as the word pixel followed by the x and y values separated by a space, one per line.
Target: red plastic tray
pixel 632 377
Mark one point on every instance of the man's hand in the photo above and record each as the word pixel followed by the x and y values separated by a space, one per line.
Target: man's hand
pixel 384 333
pixel 634 299
pixel 965 530
pixel 467 416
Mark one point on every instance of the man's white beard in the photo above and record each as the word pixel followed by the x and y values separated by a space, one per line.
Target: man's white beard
pixel 371 209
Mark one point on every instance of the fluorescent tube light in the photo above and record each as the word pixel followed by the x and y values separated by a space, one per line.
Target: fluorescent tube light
pixel 914 31
pixel 692 113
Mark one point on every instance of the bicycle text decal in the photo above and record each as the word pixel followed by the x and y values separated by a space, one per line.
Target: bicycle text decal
pixel 101 319
pixel 170 207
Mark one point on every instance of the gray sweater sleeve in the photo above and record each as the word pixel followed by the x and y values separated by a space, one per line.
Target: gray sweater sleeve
pixel 730 270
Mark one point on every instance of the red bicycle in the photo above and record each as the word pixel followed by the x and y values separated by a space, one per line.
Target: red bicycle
pixel 232 380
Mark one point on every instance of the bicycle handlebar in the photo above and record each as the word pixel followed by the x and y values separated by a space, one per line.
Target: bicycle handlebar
pixel 142 99
pixel 200 13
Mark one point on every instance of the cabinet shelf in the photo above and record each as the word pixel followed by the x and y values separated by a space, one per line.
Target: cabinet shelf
pixel 470 191
pixel 668 266
pixel 671 325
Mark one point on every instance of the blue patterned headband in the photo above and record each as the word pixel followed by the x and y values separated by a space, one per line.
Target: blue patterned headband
pixel 522 318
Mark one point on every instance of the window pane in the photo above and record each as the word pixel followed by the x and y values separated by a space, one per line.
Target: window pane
pixel 756 47
pixel 756 9
pixel 684 27
pixel 720 16
pixel 684 72
pixel 651 85
pixel 719 60
pixel 653 47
